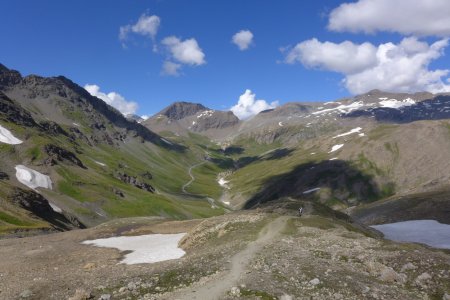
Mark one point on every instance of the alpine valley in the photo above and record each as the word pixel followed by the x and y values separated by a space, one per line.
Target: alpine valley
pixel 75 171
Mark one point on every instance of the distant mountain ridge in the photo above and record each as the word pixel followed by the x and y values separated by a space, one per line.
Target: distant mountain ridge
pixel 192 161
pixel 184 117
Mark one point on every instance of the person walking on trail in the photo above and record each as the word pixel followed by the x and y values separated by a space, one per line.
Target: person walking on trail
pixel 300 211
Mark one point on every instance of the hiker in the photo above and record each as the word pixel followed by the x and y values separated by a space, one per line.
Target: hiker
pixel 300 211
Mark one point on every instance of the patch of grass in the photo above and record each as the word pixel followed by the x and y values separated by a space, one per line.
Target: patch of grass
pixel 367 165
pixel 321 254
pixel 317 222
pixel 291 227
pixel 5 217
pixel 387 189
pixel 34 153
pixel 70 190
pixel 257 293
pixel 380 131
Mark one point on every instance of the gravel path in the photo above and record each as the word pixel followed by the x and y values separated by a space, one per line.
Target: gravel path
pixel 217 288
pixel 192 177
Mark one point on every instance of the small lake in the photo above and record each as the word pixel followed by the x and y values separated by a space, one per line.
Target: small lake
pixel 429 232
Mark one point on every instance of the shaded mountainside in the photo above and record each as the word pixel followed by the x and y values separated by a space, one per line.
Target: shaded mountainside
pixel 374 137
pixel 201 162
pixel 101 165
pixel 68 160
pixel 60 100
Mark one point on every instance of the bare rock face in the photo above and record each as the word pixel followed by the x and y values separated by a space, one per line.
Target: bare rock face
pixel 3 176
pixel 180 110
pixel 53 128
pixel 12 112
pixel 134 181
pixel 214 119
pixel 56 154
pixel 8 77
pixel 61 96
pixel 38 205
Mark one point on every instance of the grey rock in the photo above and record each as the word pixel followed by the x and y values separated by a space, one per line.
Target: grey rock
pixel 26 294
pixel 314 282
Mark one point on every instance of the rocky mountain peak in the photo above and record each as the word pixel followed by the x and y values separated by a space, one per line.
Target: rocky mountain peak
pixel 180 110
pixel 8 77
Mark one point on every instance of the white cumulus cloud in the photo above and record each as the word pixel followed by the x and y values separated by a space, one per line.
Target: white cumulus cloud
pixel 170 68
pixel 185 52
pixel 243 39
pixel 418 17
pixel 114 99
pixel 146 26
pixel 345 57
pixel 248 105
pixel 402 67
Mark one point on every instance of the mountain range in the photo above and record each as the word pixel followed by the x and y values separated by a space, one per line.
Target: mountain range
pixel 368 152
pixel 231 190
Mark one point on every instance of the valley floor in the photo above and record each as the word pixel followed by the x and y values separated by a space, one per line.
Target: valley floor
pixel 248 254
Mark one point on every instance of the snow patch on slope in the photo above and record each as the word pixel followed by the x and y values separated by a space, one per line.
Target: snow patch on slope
pixel 354 130
pixel 222 182
pixel 166 141
pixel 342 108
pixel 7 137
pixel 311 190
pixel 336 147
pixel 100 163
pixel 394 103
pixel 148 248
pixel 205 114
pixel 55 207
pixel 31 178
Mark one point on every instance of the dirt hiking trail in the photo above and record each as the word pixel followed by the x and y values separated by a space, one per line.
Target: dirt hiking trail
pixel 216 288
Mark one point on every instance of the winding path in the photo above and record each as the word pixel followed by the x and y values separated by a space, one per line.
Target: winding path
pixel 192 177
pixel 216 288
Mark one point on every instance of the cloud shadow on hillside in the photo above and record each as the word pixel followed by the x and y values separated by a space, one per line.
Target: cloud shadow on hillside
pixel 337 180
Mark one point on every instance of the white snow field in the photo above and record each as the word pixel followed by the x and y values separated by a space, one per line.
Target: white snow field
pixel 148 248
pixel 7 137
pixel 222 182
pixel 429 232
pixel 394 103
pixel 354 130
pixel 336 147
pixel 341 108
pixel 31 178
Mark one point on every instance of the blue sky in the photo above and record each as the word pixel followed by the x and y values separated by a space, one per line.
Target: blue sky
pixel 80 40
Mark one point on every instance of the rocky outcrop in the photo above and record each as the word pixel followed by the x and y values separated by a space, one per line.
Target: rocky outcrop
pixel 214 120
pixel 74 101
pixel 147 175
pixel 56 154
pixel 39 206
pixel 8 77
pixel 13 112
pixel 134 181
pixel 53 128
pixel 3 176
